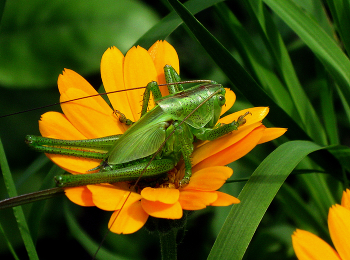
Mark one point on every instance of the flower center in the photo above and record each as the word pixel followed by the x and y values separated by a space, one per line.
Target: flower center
pixel 168 180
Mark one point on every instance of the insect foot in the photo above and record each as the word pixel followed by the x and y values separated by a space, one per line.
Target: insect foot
pixel 241 119
pixel 122 118
pixel 184 181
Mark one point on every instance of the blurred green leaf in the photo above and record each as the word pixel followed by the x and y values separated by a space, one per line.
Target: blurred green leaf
pixel 37 209
pixel 85 240
pixel 2 7
pixel 8 243
pixel 304 216
pixel 39 38
pixel 256 197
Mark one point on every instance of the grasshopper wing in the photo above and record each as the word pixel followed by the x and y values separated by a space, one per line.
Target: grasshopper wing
pixel 142 139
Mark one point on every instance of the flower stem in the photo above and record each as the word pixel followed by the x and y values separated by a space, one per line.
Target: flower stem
pixel 168 244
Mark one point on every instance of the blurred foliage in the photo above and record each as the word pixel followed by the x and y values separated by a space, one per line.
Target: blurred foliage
pixel 38 39
pixel 70 34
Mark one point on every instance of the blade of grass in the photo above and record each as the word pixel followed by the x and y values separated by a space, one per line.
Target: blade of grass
pixel 342 153
pixel 300 212
pixel 256 196
pixel 169 23
pixel 318 12
pixel 284 67
pixel 253 59
pixel 9 245
pixel 340 10
pixel 328 111
pixel 18 212
pixel 323 46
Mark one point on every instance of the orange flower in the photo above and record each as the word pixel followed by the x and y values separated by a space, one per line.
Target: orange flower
pixel 93 118
pixel 309 246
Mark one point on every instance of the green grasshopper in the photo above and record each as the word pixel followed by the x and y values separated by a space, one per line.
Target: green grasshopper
pixel 151 147
pixel 155 143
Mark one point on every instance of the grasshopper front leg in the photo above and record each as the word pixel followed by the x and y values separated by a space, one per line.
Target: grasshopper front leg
pixel 171 76
pixel 212 134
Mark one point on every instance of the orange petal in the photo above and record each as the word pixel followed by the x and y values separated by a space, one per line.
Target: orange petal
pixel 257 115
pixel 345 200
pixel 165 195
pixel 195 200
pixel 91 119
pixel 339 229
pixel 112 73
pixel 74 165
pixel 271 134
pixel 307 246
pixel 161 210
pixel 234 152
pixel 209 179
pixel 56 125
pixel 230 100
pixel 128 220
pixel 70 79
pixel 210 148
pixel 79 195
pixel 111 197
pixel 162 53
pixel 139 70
pixel 224 199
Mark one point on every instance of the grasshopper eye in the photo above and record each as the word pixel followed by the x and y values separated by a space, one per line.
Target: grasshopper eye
pixel 222 100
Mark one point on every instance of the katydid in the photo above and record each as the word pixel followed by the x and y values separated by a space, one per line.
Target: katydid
pixel 156 142
pixel 151 146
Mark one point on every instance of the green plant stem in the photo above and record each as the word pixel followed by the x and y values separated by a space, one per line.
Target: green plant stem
pixel 168 244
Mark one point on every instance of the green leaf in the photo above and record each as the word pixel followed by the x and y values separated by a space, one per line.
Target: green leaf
pixel 9 245
pixel 322 45
pixel 304 216
pixel 340 10
pixel 18 212
pixel 328 111
pixel 169 23
pixel 256 197
pixel 342 153
pixel 283 64
pixel 39 38
pixel 253 59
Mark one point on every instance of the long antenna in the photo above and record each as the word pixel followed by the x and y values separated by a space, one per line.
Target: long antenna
pixel 100 94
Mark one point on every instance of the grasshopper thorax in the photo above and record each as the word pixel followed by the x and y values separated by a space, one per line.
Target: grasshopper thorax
pixel 205 100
